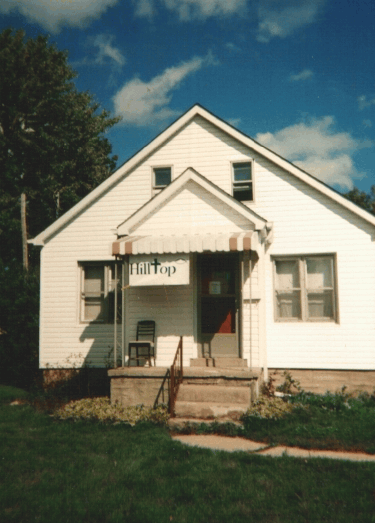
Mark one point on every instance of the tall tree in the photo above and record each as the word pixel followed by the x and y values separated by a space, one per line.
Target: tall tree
pixel 52 145
pixel 361 198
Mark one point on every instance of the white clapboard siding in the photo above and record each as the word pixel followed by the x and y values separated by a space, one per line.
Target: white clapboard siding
pixel 304 222
pixel 193 208
pixel 171 307
pixel 250 316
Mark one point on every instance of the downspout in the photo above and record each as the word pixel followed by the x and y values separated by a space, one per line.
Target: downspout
pixel 262 310
pixel 123 314
pixel 115 323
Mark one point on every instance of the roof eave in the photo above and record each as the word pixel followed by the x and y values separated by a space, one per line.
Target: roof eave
pixel 197 110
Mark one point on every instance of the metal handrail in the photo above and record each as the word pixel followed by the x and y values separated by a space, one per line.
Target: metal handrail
pixel 176 374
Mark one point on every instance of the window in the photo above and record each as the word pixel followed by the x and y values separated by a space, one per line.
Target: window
pixel 162 178
pixel 305 288
pixel 98 292
pixel 242 181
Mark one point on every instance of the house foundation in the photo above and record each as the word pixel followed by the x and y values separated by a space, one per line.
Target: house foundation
pixel 320 381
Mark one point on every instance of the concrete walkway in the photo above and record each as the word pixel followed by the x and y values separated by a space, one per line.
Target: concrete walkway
pixel 241 444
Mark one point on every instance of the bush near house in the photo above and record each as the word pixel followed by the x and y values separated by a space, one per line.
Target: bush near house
pixel 19 326
pixel 101 409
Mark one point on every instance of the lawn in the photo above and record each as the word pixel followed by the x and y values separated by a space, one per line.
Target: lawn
pixel 64 471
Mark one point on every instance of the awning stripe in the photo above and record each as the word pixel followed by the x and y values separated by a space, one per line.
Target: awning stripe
pixel 220 242
pixel 247 241
pixel 233 242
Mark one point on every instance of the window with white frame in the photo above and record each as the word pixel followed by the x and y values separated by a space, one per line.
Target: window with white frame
pixel 242 181
pixel 98 282
pixel 305 288
pixel 162 176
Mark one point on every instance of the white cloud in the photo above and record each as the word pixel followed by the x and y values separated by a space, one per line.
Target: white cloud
pixel 233 47
pixel 364 103
pixel 318 149
pixel 144 8
pixel 235 122
pixel 276 17
pixel 367 123
pixel 192 9
pixel 106 50
pixel 282 18
pixel 303 75
pixel 146 103
pixel 54 14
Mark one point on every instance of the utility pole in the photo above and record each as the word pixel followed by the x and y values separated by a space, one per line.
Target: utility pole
pixel 25 253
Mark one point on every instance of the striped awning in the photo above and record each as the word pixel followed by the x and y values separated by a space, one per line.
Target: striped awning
pixel 221 242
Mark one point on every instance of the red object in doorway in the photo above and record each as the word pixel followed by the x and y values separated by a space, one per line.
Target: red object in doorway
pixel 227 326
pixel 218 315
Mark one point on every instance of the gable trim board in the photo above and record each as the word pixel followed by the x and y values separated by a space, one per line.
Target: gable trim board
pixel 290 217
pixel 174 128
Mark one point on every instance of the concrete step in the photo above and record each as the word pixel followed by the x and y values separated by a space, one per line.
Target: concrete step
pixel 220 362
pixel 201 362
pixel 230 362
pixel 183 422
pixel 213 393
pixel 209 410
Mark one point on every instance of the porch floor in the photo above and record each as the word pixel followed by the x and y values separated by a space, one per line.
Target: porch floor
pixel 189 372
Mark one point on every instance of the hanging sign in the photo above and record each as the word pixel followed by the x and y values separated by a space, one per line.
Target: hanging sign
pixel 159 269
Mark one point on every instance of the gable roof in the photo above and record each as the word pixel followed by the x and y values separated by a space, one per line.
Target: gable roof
pixel 188 175
pixel 198 110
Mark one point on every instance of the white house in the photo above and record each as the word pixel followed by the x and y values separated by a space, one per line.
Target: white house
pixel 223 242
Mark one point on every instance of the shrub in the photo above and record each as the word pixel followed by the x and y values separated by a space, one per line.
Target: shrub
pixel 334 401
pixel 101 409
pixel 270 408
pixel 19 325
pixel 268 387
pixel 289 385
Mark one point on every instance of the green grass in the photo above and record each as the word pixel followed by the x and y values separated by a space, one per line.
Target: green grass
pixel 95 472
pixel 317 428
pixel 8 394
pixel 333 421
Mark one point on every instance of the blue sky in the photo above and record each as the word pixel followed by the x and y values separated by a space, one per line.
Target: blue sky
pixel 296 75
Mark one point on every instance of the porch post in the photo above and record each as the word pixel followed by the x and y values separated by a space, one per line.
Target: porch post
pixel 115 322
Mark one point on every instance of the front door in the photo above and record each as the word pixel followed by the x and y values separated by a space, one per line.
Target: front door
pixel 218 301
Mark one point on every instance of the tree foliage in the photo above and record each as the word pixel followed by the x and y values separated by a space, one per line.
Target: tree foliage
pixel 19 325
pixel 54 152
pixel 361 198
pixel 52 144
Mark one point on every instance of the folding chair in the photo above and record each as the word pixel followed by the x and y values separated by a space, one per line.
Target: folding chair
pixel 143 348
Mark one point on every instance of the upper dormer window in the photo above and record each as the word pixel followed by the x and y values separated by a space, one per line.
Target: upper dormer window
pixel 242 181
pixel 162 178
